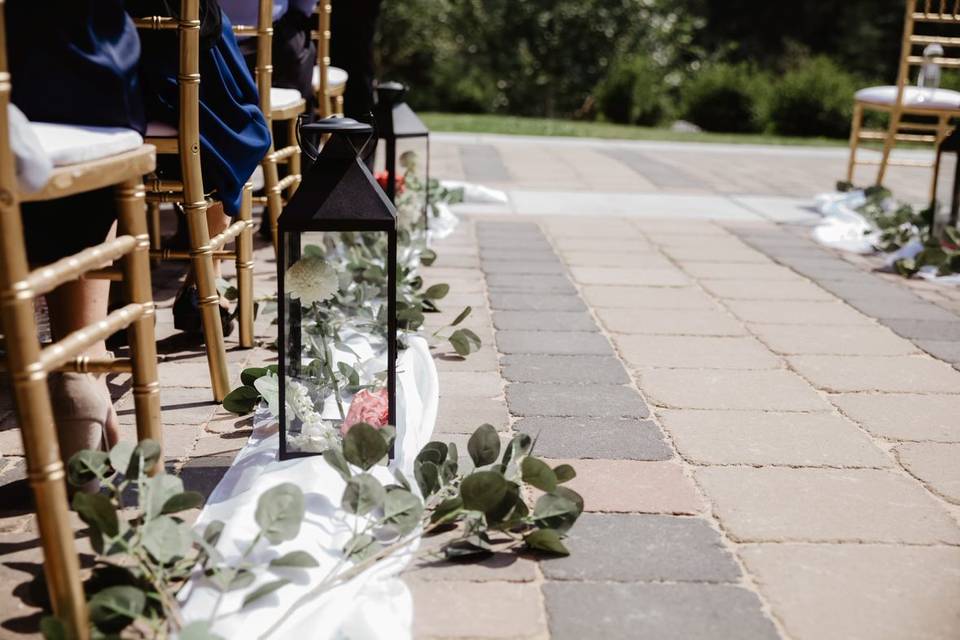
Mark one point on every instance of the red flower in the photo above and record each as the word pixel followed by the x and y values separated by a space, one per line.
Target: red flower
pixel 370 407
pixel 383 177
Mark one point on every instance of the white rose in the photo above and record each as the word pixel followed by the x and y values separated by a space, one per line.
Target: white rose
pixel 311 280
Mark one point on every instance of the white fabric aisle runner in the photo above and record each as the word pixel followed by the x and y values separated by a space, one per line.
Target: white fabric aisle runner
pixel 376 605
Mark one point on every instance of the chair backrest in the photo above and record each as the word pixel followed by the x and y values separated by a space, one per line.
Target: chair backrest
pixel 263 31
pixel 928 22
pixel 324 9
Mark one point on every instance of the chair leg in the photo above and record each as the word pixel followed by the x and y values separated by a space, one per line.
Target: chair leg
pixel 202 261
pixel 271 187
pixel 293 163
pixel 153 220
pixel 338 105
pixel 244 250
pixel 855 126
pixel 143 346
pixel 45 470
pixel 943 122
pixel 888 144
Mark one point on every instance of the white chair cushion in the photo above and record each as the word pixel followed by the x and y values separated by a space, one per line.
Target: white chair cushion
pixel 336 77
pixel 283 98
pixel 160 130
pixel 72 144
pixel 913 97
pixel 257 178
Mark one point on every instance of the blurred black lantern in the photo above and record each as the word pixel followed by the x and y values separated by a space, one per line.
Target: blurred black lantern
pixel 946 189
pixel 397 121
pixel 337 271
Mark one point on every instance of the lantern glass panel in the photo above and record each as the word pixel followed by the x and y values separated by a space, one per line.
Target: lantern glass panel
pixel 336 327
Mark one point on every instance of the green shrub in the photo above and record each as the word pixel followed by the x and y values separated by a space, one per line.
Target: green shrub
pixel 729 98
pixel 813 99
pixel 633 92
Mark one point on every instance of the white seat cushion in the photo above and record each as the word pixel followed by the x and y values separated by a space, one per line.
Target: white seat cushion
pixel 283 98
pixel 66 144
pixel 160 130
pixel 336 77
pixel 913 97
pixel 257 178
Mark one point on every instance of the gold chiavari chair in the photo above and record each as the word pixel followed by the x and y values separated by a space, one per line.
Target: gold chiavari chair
pixel 278 105
pixel 915 115
pixel 28 362
pixel 188 191
pixel 330 82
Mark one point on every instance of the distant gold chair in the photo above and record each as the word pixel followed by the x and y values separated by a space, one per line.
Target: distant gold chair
pixel 329 82
pixel 185 142
pixel 915 115
pixel 277 105
pixel 28 363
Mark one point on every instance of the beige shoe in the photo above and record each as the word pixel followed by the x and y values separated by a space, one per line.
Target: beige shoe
pixel 81 410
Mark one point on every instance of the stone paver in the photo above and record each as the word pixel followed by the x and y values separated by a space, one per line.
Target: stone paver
pixel 534 283
pixel 621 548
pixel 905 374
pixel 619 259
pixel 766 290
pixel 738 271
pixel 539 321
pixel 464 415
pixel 593 400
pixel 825 505
pixel 626 486
pixel 937 465
pixel 663 611
pixel 859 592
pixel 904 416
pixel 773 390
pixel 937 330
pixel 796 313
pixel 695 352
pixel 621 297
pixel 707 253
pixel 700 322
pixel 452 610
pixel 563 369
pixel 513 301
pixel 553 342
pixel 521 267
pixel 852 340
pixel 630 277
pixel 765 438
pixel 600 438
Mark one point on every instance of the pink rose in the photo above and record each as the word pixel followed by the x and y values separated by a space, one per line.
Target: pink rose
pixel 372 408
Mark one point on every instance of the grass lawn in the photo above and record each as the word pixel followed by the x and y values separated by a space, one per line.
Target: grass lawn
pixel 486 123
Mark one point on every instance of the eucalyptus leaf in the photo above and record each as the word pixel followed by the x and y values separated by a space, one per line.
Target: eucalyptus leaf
pixel 538 473
pixel 198 630
pixel 113 608
pixel 436 292
pixel 427 475
pixel 484 445
pixel 249 375
pixel 564 473
pixel 297 559
pixel 361 546
pixel 461 316
pixel 363 494
pixel 428 257
pixel 86 465
pixel 147 451
pixel 447 511
pixel 227 579
pixel 157 491
pixel 280 512
pixel 363 446
pixel 401 478
pixel 483 490
pixel 96 510
pixel 335 459
pixel 183 502
pixel 403 510
pixel 242 400
pixel 52 629
pixel 546 540
pixel 263 590
pixel 469 546
pixel 166 539
pixel 120 455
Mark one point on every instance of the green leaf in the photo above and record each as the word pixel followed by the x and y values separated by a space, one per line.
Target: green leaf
pixel 428 257
pixel 538 473
pixel 462 316
pixel 166 539
pixel 403 510
pixel 468 546
pixel 435 452
pixel 158 490
pixel 183 502
pixel 546 540
pixel 427 475
pixel 98 512
pixel 213 531
pixel 483 491
pixel 298 559
pixel 85 466
pixel 227 579
pixel 447 511
pixel 249 375
pixel 336 460
pixel 361 546
pixel 280 511
pixel 436 292
pixel 242 400
pixel 484 445
pixel 520 445
pixel 147 451
pixel 465 342
pixel 363 446
pixel 564 473
pixel 263 591
pixel 363 494
pixel 558 510
pixel 199 630
pixel 401 478
pixel 120 455
pixel 52 629
pixel 113 608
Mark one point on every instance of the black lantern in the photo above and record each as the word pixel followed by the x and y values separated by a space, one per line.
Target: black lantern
pixel 337 272
pixel 944 189
pixel 397 121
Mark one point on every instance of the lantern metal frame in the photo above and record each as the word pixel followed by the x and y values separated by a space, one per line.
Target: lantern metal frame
pixel 338 194
pixel 397 121
pixel 950 144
